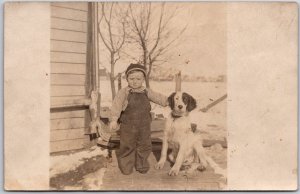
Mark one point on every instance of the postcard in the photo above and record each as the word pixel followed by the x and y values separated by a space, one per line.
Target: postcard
pixel 150 96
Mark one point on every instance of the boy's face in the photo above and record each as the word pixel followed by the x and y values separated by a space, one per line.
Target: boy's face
pixel 135 79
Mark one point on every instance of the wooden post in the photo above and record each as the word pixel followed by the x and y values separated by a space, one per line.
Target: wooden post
pixel 97 59
pixel 94 107
pixel 206 108
pixel 178 82
pixel 96 46
pixel 99 104
pixel 119 81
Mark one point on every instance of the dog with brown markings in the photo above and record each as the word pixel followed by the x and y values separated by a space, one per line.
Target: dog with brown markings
pixel 186 145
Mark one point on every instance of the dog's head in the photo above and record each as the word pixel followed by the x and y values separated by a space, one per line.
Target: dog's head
pixel 181 103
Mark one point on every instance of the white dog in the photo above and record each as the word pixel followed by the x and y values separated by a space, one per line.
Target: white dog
pixel 186 145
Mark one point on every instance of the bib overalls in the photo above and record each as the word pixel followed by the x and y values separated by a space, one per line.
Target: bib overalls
pixel 135 134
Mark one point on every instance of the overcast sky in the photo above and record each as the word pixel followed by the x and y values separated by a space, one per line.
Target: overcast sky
pixel 202 47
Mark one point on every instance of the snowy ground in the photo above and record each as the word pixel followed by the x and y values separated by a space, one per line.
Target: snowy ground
pixel 85 169
pixel 64 163
pixel 79 170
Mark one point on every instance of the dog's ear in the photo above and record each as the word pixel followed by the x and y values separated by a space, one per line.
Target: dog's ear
pixel 191 102
pixel 171 100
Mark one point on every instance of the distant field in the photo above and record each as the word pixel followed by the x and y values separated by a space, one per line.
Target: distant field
pixel 203 91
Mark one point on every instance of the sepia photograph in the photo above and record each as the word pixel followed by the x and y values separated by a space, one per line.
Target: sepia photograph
pixel 144 96
pixel 138 96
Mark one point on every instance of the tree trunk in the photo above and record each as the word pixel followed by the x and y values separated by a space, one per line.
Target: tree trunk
pixel 112 75
pixel 147 81
pixel 119 81
pixel 112 84
pixel 144 47
pixel 148 75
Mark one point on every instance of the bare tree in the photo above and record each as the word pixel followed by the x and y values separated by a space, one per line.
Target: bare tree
pixel 112 30
pixel 151 28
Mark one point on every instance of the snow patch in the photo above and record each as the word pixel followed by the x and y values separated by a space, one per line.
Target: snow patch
pixel 93 181
pixel 64 163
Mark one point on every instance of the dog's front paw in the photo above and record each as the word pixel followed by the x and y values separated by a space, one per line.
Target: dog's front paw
pixel 201 167
pixel 159 165
pixel 173 172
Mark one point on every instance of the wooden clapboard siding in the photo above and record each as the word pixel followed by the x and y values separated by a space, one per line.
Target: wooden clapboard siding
pixel 67 100
pixel 64 145
pixel 67 79
pixel 58 135
pixel 60 91
pixel 75 6
pixel 69 114
pixel 68 123
pixel 73 68
pixel 67 57
pixel 61 23
pixel 77 114
pixel 68 35
pixel 63 46
pixel 67 13
pixel 68 40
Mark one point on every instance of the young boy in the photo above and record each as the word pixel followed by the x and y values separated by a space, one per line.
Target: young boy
pixel 131 107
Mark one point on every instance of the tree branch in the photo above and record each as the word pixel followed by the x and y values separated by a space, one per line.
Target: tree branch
pixel 163 48
pixel 123 37
pixel 101 35
pixel 130 56
pixel 118 58
pixel 148 19
pixel 108 22
pixel 111 10
pixel 159 30
pixel 137 30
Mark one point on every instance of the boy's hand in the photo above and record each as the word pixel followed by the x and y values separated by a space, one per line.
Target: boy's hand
pixel 113 125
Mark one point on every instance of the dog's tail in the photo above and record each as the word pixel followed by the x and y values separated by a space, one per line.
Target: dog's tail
pixel 216 167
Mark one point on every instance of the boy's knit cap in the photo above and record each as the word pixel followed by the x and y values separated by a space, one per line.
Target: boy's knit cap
pixel 135 67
